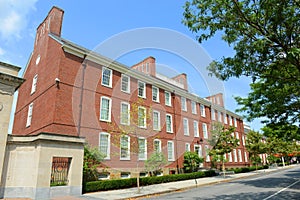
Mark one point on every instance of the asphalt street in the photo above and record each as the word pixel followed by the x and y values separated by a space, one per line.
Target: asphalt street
pixel 283 184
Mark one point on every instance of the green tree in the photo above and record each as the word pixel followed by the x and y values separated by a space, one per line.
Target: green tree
pixel 191 161
pixel 155 162
pixel 265 38
pixel 255 146
pixel 91 160
pixel 222 142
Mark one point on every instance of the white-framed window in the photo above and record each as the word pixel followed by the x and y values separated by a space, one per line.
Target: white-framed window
pixel 142 117
pixel 155 94
pixel 230 120
pixel 234 155
pixel 213 114
pixel 183 104
pixel 246 158
pixel 125 113
pixel 168 98
pixel 194 107
pixel 105 109
pixel 243 140
pixel 169 123
pixel 187 147
pixel 104 144
pixel 240 155
pixel 237 137
pixel 186 126
pixel 156 120
pixel 219 116
pixel 125 175
pixel 202 110
pixel 125 83
pixel 29 114
pixel 104 176
pixel 207 158
pixel 125 147
pixel 141 89
pixel 157 145
pixel 34 82
pixel 205 131
pixel 196 129
pixel 198 150
pixel 225 118
pixel 171 156
pixel 142 142
pixel 235 122
pixel 106 77
pixel 230 157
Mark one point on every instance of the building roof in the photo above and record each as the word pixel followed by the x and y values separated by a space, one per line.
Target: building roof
pixel 85 53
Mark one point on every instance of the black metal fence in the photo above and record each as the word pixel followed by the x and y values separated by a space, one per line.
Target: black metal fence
pixel 60 171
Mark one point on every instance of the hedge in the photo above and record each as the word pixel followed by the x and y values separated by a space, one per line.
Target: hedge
pixel 114 184
pixel 248 169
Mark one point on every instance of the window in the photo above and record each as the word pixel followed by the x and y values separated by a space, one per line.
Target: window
pixel 125 174
pixel 187 147
pixel 169 124
pixel 202 110
pixel 234 155
pixel 142 117
pixel 183 104
pixel 230 120
pixel 186 126
pixel 34 82
pixel 104 144
pixel 243 140
pixel 106 77
pixel 104 176
pixel 125 113
pixel 157 145
pixel 213 114
pixel 219 116
pixel 141 89
pixel 198 150
pixel 125 83
pixel 156 120
pixel 196 129
pixel 235 122
pixel 105 108
pixel 246 158
pixel 142 148
pixel 204 129
pixel 240 155
pixel 168 98
pixel 230 157
pixel 225 118
pixel 125 147
pixel 29 115
pixel 207 153
pixel 194 107
pixel 155 94
pixel 237 137
pixel 171 156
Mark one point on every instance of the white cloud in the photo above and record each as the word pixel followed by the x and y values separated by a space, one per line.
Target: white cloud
pixel 14 17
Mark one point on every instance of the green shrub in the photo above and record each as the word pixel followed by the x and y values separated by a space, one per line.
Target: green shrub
pixel 104 185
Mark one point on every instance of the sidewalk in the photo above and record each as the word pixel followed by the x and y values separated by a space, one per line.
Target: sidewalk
pixel 170 187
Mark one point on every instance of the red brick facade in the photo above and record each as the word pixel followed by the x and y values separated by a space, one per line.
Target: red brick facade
pixel 67 100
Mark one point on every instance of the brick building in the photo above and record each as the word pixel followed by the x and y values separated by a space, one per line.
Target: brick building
pixel 73 91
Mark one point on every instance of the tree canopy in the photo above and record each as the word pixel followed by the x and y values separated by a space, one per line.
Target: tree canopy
pixel 266 38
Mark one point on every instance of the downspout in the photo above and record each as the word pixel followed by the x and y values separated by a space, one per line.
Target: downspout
pixel 175 132
pixel 81 96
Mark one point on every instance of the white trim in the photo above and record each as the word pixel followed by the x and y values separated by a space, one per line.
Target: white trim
pixel 169 100
pixel 29 115
pixel 128 113
pixel 202 110
pixel 34 83
pixel 183 104
pixel 171 156
pixel 194 107
pixel 145 150
pixel 128 84
pixel 157 94
pixel 108 144
pixel 158 121
pixel 205 130
pixel 171 121
pixel 128 148
pixel 159 147
pixel 144 117
pixel 196 128
pixel 144 89
pixel 186 130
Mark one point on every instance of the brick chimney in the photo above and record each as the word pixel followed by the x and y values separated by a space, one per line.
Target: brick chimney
pixel 181 78
pixel 146 66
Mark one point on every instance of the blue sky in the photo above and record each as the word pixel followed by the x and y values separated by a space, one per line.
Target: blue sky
pixel 90 23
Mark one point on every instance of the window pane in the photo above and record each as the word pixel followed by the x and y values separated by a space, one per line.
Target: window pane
pixel 104 144
pixel 170 151
pixel 106 76
pixel 141 89
pixel 142 117
pixel 125 83
pixel 124 147
pixel 169 123
pixel 105 109
pixel 124 114
pixel 142 148
pixel 156 120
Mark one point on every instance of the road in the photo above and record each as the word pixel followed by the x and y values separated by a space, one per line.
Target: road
pixel 284 184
